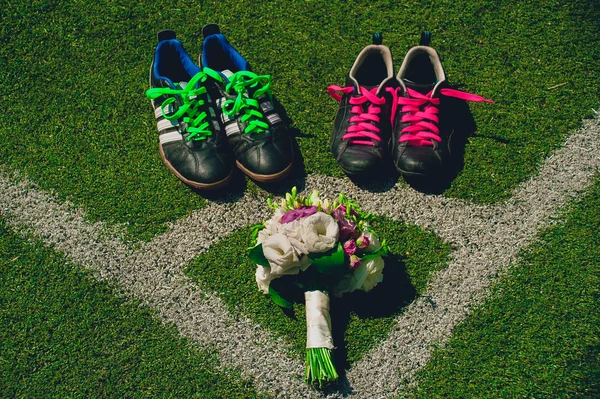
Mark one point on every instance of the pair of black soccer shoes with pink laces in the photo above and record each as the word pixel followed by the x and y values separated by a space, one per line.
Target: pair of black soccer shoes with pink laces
pixel 402 118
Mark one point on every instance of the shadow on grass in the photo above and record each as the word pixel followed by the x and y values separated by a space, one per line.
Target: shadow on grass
pixel 386 299
pixel 297 176
pixel 591 371
pixel 383 182
pixel 232 192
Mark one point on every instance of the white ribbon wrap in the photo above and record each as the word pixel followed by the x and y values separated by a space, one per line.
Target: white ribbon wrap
pixel 318 321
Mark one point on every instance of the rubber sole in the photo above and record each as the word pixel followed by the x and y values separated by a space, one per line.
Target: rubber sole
pixel 411 174
pixel 265 178
pixel 201 186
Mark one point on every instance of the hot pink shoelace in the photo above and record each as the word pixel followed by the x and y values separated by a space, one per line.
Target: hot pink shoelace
pixel 423 126
pixel 363 132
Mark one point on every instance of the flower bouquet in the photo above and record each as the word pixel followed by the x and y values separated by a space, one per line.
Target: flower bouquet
pixel 317 248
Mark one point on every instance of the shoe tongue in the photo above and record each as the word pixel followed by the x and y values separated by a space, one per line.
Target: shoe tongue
pixel 369 88
pixel 226 74
pixel 353 83
pixel 422 88
pixel 182 86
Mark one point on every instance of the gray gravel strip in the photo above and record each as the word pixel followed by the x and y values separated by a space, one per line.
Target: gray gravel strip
pixel 494 237
pixel 153 276
pixel 487 239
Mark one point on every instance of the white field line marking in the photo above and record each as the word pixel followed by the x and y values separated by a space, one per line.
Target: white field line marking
pixel 150 276
pixel 488 238
pixel 493 237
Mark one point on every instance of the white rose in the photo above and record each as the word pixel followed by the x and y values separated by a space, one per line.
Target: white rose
pixel 278 214
pixel 345 285
pixel 263 278
pixel 293 231
pixel 351 281
pixel 271 227
pixel 319 232
pixel 304 263
pixel 280 254
pixel 374 268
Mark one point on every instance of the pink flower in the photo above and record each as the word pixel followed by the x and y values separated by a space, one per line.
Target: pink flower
pixel 352 211
pixel 347 227
pixel 363 242
pixel 299 213
pixel 349 247
pixel 354 262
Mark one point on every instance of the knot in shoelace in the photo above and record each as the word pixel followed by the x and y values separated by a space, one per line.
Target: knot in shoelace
pixel 421 112
pixel 364 123
pixel 248 87
pixel 189 109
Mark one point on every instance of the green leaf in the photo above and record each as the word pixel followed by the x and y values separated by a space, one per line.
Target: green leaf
pixel 382 251
pixel 330 262
pixel 312 198
pixel 278 298
pixel 257 256
pixel 255 230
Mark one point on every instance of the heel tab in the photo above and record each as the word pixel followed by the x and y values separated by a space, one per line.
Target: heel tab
pixel 425 38
pixel 210 29
pixel 377 38
pixel 166 34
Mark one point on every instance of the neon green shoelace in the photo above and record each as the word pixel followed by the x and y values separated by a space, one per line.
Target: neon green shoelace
pixel 197 125
pixel 239 83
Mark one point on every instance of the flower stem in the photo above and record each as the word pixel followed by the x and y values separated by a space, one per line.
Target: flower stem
pixel 319 366
pixel 319 342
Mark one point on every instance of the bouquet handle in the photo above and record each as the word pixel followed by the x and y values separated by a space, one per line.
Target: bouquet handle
pixel 319 340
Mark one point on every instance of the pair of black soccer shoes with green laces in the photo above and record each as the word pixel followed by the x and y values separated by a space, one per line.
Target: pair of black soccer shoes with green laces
pixel 215 116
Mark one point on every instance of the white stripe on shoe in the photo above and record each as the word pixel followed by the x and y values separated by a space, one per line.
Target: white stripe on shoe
pixel 158 113
pixel 231 128
pixel 165 124
pixel 170 137
pixel 266 106
pixel 273 119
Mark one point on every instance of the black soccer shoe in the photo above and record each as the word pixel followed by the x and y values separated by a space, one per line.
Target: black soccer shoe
pixel 192 142
pixel 256 133
pixel 362 129
pixel 424 123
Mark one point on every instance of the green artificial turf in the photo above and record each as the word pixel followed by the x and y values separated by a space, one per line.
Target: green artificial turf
pixel 65 335
pixel 359 320
pixel 539 334
pixel 76 121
